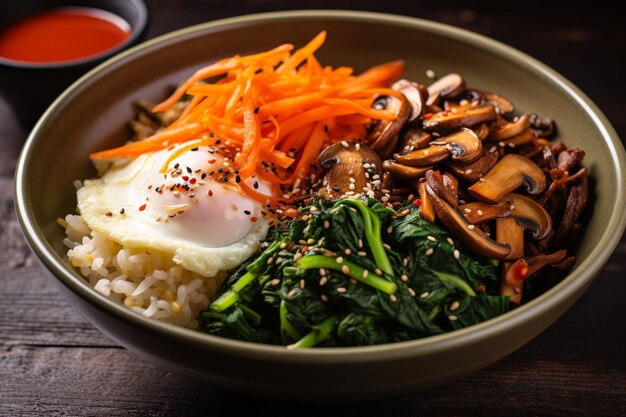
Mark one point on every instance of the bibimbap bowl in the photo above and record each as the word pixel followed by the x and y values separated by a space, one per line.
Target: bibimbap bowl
pixel 93 114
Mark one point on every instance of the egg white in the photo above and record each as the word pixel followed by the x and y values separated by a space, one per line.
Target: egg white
pixel 204 231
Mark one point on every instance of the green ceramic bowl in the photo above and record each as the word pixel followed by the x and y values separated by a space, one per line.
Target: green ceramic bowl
pixel 92 114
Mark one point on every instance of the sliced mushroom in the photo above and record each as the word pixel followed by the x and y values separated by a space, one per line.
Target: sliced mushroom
pixel 464 145
pixel 503 104
pixel 448 120
pixel 470 235
pixel 416 95
pixel 510 232
pixel 385 132
pixel 478 212
pixel 427 210
pixel 444 185
pixel 345 170
pixel 482 131
pixel 415 139
pixel 523 138
pixel 508 174
pixel 509 130
pixel 476 170
pixel 404 171
pixel 424 157
pixel 530 215
pixel 448 86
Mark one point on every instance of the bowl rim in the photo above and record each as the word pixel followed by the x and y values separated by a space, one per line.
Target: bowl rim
pixel 582 276
pixel 136 31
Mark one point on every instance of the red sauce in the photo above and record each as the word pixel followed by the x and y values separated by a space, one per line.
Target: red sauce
pixel 62 35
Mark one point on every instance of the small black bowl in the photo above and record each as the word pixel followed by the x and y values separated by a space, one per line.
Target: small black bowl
pixel 30 87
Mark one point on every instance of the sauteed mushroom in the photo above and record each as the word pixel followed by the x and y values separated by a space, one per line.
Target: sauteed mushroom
pixel 415 139
pixel 467 233
pixel 415 94
pixel 448 86
pixel 385 132
pixel 530 215
pixel 509 130
pixel 508 174
pixel 448 120
pixel 478 212
pixel 476 170
pixel 344 162
pixel 427 209
pixel 404 171
pixel 424 157
pixel 503 105
pixel 464 145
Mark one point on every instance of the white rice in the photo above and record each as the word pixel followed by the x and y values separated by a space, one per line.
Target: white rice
pixel 144 280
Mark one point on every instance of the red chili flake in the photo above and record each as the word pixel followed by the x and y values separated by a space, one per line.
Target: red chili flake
pixel 212 161
pixel 185 178
pixel 520 271
pixel 417 202
pixel 192 181
pixel 142 207
pixel 427 116
pixel 108 214
pixel 210 193
pixel 253 219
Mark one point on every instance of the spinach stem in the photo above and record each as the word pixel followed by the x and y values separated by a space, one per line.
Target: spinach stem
pixel 320 333
pixel 285 326
pixel 456 281
pixel 231 296
pixel 354 271
pixel 372 234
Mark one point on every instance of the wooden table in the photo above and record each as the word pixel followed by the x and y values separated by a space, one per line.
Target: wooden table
pixel 53 362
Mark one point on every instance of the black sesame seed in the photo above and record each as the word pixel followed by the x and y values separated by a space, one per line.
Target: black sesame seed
pixel 325 128
pixel 256 184
pixel 177 165
pixel 237 179
pixel 225 179
pixel 247 212
pixel 189 170
pixel 256 110
pixel 203 176
pixel 122 210
pixel 217 142
pixel 193 149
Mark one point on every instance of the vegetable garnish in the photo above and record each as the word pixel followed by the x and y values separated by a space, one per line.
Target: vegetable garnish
pixel 272 113
pixel 323 281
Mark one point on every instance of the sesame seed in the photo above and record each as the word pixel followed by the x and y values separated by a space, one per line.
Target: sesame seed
pixel 468 171
pixel 450 241
pixel 470 226
pixel 479 212
pixel 339 259
pixel 326 224
pixel 405 262
pixel 365 273
pixel 324 298
pixel 393 298
pixel 322 272
pixel 345 269
pixel 302 284
pixel 457 254
pixel 313 209
pixel 347 251
pixel 310 241
pixel 360 243
pixel 341 290
pixel 431 238
pixel 275 281
pixel 452 317
pixel 424 295
pixel 455 305
pixel 351 186
pixel 282 245
pixel 344 144
pixel 361 253
pixel 386 246
pixel 430 73
pixel 378 271
pixel 512 207
pixel 404 277
pixel 270 260
pixel 390 229
pixel 297 257
pixel 429 251
pixel 323 281
pixel 292 292
pixel 411 292
pixel 353 281
pixel 467 210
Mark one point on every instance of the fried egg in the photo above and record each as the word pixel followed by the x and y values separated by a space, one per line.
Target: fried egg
pixel 194 210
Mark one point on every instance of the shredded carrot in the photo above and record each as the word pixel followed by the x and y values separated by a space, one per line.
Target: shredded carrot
pixel 274 111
